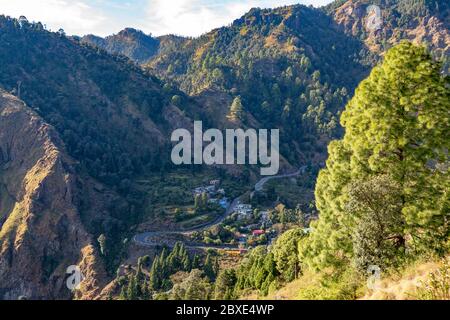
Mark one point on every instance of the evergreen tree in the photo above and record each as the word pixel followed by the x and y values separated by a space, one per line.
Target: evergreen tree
pixel 102 242
pixel 155 275
pixel 236 110
pixel 196 262
pixel 285 254
pixel 208 267
pixel 132 290
pixel 397 124
pixel 224 285
pixel 379 237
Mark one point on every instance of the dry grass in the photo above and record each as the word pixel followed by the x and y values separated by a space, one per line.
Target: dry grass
pixel 412 284
pixel 405 286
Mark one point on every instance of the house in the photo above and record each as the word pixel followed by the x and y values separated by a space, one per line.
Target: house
pixel 243 251
pixel 224 203
pixel 213 201
pixel 242 240
pixel 257 233
pixel 199 191
pixel 244 207
pixel 210 190
pixel 244 211
pixel 264 216
pixel 214 183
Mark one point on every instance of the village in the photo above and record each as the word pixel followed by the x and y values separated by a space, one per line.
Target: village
pixel 216 213
pixel 245 226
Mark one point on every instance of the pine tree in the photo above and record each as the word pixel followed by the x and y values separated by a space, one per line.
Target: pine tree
pixel 224 285
pixel 397 124
pixel 204 201
pixel 216 266
pixel 196 262
pixel 236 110
pixel 155 275
pixel 102 242
pixel 208 267
pixel 132 291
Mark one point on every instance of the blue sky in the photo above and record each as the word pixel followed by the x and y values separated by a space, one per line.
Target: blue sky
pixel 104 17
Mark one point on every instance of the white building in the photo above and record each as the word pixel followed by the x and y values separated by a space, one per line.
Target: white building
pixel 244 211
pixel 215 183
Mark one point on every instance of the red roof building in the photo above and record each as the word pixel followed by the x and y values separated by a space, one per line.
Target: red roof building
pixel 258 232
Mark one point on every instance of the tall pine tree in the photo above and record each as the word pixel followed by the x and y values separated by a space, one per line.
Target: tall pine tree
pixel 236 110
pixel 397 125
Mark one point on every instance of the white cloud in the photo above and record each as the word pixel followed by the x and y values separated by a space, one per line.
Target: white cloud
pixel 194 17
pixel 104 17
pixel 76 17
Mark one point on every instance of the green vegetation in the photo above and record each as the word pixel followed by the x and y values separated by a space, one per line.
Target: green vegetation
pixel 396 127
pixel 170 198
pixel 129 42
pixel 262 62
pixel 186 278
pixel 383 198
pixel 236 110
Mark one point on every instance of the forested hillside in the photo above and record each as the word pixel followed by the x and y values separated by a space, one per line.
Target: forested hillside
pixel 285 64
pixel 97 102
pixel 272 60
pixel 113 119
pixel 49 210
pixel 294 67
pixel 131 43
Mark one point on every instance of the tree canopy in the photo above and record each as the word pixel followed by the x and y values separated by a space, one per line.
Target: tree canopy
pixel 397 125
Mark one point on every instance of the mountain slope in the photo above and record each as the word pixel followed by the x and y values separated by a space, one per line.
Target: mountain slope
pixel 41 230
pixel 286 64
pixel 129 42
pixel 98 103
pixel 107 122
pixel 420 21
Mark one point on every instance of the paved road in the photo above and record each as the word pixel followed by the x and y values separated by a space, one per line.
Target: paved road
pixel 144 239
pixel 260 185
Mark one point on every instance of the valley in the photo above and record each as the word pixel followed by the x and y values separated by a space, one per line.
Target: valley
pixel 154 239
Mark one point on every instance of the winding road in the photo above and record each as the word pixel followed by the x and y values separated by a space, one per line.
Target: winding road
pixel 145 239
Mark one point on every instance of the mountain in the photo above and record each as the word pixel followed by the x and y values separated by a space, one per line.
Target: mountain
pixel 103 125
pixel 286 65
pixel 42 231
pixel 419 21
pixel 97 102
pixel 129 42
pixel 295 67
pixel 271 36
pixel 87 125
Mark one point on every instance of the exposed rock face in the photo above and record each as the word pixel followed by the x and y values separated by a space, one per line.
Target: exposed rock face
pixel 417 22
pixel 42 233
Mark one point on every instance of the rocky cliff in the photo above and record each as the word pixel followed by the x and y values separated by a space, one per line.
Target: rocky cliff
pixel 41 231
pixel 422 22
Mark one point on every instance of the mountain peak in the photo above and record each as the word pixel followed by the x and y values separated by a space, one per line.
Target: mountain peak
pixel 129 42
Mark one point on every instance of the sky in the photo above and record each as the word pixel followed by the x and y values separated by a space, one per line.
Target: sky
pixel 156 17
